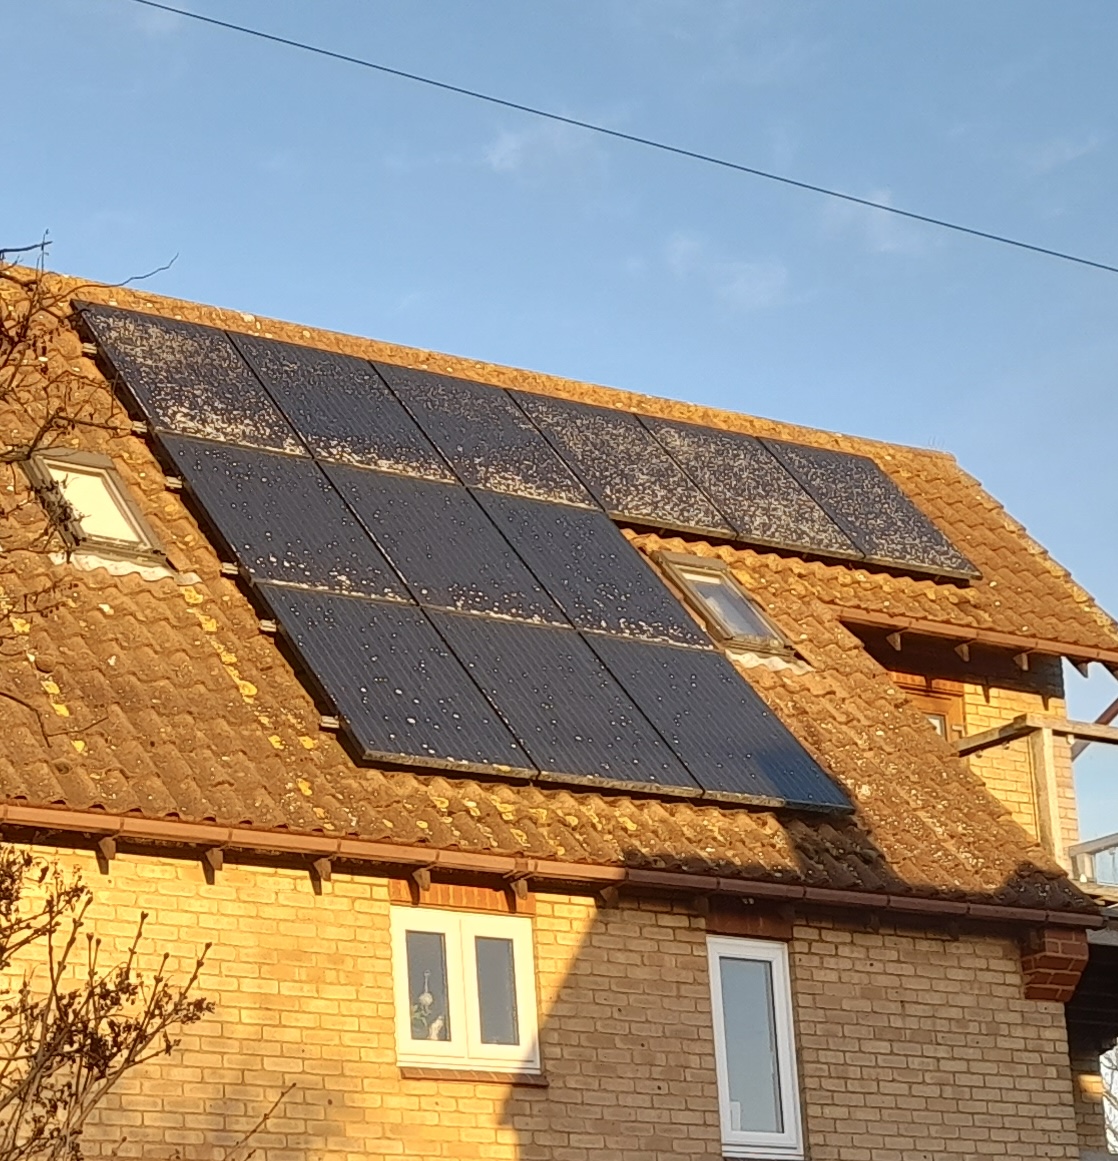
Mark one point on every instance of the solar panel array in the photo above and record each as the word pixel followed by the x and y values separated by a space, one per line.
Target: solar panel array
pixel 441 559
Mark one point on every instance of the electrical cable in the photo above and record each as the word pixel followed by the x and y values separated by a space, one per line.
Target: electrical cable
pixel 632 138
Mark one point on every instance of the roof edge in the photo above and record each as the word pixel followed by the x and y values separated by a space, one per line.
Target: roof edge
pixel 596 878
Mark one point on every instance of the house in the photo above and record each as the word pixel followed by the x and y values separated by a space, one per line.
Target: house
pixel 559 773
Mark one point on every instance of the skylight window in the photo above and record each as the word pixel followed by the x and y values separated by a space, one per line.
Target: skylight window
pixel 731 616
pixel 90 503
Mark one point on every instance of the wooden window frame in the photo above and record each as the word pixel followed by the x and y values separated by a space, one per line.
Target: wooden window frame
pixel 936 696
pixel 787 1144
pixel 464 1050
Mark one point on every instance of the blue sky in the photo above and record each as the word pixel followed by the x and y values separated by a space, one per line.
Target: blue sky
pixel 299 187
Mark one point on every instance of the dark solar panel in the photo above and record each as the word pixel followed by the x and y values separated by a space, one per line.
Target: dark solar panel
pixel 484 435
pixel 627 471
pixel 281 518
pixel 403 696
pixel 594 574
pixel 726 736
pixel 869 507
pixel 189 379
pixel 444 545
pixel 561 703
pixel 342 408
pixel 761 499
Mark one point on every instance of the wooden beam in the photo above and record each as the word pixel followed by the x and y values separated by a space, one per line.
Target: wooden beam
pixel 1025 724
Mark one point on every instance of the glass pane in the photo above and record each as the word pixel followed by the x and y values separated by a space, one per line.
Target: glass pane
pixel 427 992
pixel 750 1028
pixel 95 507
pixel 496 991
pixel 727 603
pixel 939 724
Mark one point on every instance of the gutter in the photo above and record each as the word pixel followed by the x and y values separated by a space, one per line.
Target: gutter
pixel 539 873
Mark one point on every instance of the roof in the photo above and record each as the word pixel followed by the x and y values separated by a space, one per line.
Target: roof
pixel 164 699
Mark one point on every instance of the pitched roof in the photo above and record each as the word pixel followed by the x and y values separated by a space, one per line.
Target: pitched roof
pixel 174 705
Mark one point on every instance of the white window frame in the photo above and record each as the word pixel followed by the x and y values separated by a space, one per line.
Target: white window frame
pixel 465 1050
pixel 741 1143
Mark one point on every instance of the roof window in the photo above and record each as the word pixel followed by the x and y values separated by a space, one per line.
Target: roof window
pixel 90 504
pixel 713 592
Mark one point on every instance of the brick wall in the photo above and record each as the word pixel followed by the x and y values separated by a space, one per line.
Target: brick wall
pixel 912 1046
pixel 1007 770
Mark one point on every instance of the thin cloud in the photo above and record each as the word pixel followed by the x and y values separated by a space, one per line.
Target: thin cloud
pixel 744 286
pixel 877 230
pixel 1060 151
pixel 542 151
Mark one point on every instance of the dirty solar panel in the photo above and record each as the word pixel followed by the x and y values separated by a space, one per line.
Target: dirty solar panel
pixel 869 507
pixel 627 471
pixel 403 696
pixel 340 406
pixel 569 714
pixel 593 573
pixel 189 379
pixel 726 736
pixel 751 486
pixel 443 545
pixel 486 438
pixel 281 518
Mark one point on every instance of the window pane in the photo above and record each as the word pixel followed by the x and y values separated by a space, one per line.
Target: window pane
pixel 95 507
pixel 427 993
pixel 727 603
pixel 750 1029
pixel 496 991
pixel 939 724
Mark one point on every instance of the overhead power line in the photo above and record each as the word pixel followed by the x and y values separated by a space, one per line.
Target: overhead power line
pixel 633 138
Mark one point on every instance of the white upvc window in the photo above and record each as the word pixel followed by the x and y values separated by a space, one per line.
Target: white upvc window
pixel 758 1095
pixel 465 987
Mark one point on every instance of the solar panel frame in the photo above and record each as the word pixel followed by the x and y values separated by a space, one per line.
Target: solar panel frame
pixel 625 469
pixel 563 705
pixel 485 437
pixel 873 510
pixel 735 747
pixel 444 545
pixel 280 518
pixel 766 504
pixel 342 408
pixel 591 571
pixel 159 363
pixel 426 694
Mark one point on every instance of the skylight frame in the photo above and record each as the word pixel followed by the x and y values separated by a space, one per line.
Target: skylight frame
pixel 678 568
pixel 145 548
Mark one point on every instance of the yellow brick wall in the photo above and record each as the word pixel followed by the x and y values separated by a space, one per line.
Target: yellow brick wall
pixel 911 1045
pixel 1007 770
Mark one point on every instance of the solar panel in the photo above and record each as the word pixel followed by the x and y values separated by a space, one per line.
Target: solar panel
pixel 627 471
pixel 444 545
pixel 484 436
pixel 726 736
pixel 281 518
pixel 761 499
pixel 593 573
pixel 188 379
pixel 561 703
pixel 342 408
pixel 869 507
pixel 402 695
